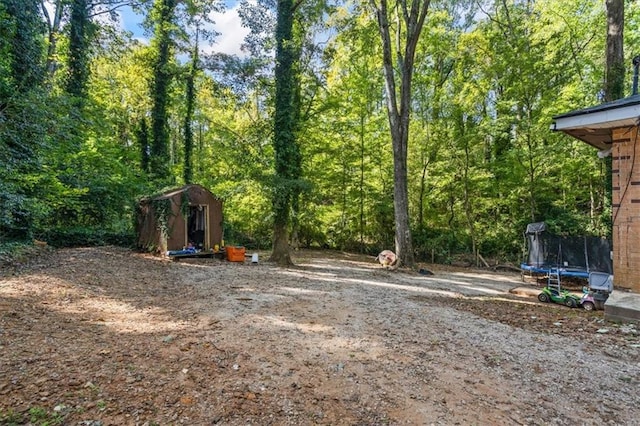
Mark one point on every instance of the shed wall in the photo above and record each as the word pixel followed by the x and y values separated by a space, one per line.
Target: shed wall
pixel 149 235
pixel 199 196
pixel 176 239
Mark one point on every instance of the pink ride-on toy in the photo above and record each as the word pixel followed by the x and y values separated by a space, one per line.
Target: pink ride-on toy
pixel 600 287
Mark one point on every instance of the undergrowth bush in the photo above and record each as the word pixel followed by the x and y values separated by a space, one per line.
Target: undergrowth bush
pixel 87 237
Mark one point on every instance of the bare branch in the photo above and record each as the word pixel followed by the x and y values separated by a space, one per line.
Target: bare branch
pixel 112 7
pixel 296 5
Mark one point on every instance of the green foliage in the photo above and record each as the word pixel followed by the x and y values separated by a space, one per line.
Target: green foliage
pixel 438 245
pixel 142 139
pixel 25 121
pixel 10 253
pixel 163 16
pixel 11 418
pixel 79 33
pixel 36 416
pixel 6 29
pixel 41 417
pixel 188 121
pixel 24 117
pixel 240 235
pixel 164 212
pixel 285 188
pixel 24 32
pixel 86 237
pixel 482 162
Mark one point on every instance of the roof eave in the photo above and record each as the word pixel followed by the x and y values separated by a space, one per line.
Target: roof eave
pixel 594 127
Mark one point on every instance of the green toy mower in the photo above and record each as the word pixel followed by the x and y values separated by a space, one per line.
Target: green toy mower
pixel 556 295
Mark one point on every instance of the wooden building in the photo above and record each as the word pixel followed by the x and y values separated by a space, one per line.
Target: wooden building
pixel 612 128
pixel 171 220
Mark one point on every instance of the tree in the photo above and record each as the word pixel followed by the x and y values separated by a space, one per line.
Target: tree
pixel 27 69
pixel 78 68
pixel 53 30
pixel 22 114
pixel 412 14
pixel 296 53
pixel 142 139
pixel 188 130
pixel 287 152
pixel 614 80
pixel 197 14
pixel 346 162
pixel 163 16
pixel 614 76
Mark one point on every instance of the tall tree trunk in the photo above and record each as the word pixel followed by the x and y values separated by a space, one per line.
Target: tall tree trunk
pixel 422 193
pixel 142 137
pixel 188 129
pixel 53 24
pixel 287 156
pixel 78 68
pixel 27 71
pixel 614 81
pixel 361 182
pixel 160 160
pixel 399 105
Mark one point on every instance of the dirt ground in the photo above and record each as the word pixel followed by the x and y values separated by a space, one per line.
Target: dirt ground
pixel 106 336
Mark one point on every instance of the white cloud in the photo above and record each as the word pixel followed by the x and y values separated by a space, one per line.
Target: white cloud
pixel 227 23
pixel 232 33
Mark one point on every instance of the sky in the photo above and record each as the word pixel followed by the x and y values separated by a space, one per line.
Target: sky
pixel 228 24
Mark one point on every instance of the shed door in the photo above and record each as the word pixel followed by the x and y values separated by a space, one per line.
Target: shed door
pixel 197 226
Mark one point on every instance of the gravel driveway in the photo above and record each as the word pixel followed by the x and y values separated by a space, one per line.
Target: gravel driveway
pixel 105 336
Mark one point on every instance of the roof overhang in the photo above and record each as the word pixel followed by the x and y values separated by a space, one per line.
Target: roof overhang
pixel 594 125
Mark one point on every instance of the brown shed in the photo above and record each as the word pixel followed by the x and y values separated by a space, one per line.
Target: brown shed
pixel 171 220
pixel 612 128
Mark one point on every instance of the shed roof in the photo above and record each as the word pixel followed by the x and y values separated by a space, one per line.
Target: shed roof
pixel 593 125
pixel 172 192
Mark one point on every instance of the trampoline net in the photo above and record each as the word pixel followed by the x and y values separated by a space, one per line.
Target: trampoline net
pixel 584 253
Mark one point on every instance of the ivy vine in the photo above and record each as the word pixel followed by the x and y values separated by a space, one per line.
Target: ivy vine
pixel 185 203
pixel 163 211
pixel 162 207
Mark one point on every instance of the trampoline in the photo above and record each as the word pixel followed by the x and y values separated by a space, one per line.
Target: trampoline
pixel 564 272
pixel 570 257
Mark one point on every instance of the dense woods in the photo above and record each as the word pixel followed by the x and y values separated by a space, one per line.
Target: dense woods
pixel 295 135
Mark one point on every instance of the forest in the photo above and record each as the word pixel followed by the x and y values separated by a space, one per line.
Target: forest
pixel 294 135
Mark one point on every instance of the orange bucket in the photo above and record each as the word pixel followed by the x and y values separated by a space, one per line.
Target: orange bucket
pixel 235 254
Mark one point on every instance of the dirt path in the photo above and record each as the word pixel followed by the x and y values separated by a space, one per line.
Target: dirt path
pixel 104 336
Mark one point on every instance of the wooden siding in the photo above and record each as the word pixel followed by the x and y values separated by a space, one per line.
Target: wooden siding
pixel 150 237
